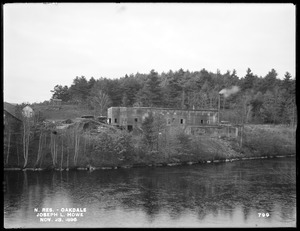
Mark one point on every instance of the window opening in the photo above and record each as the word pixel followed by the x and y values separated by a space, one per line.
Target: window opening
pixel 129 128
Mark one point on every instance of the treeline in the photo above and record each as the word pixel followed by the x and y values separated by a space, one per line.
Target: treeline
pixel 267 99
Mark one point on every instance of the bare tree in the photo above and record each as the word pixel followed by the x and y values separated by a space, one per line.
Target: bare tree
pixel 53 148
pixel 76 147
pixel 26 138
pixel 8 145
pixel 100 101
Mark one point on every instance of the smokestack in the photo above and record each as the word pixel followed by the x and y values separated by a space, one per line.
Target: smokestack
pixel 226 92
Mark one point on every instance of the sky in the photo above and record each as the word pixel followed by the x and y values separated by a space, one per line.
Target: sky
pixel 50 44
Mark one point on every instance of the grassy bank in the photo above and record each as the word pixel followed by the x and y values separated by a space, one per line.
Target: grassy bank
pixel 267 140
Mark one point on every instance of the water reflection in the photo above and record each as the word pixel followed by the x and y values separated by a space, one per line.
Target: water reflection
pixel 225 194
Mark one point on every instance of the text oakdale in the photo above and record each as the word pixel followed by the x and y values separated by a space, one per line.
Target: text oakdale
pixel 73 210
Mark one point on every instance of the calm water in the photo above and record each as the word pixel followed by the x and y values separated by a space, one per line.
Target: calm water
pixel 210 195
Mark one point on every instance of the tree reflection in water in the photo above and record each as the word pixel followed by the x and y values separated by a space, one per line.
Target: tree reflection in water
pixel 211 194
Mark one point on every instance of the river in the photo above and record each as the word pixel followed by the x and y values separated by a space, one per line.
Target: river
pixel 252 193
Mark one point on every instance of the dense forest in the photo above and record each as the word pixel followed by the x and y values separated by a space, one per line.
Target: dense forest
pixel 268 99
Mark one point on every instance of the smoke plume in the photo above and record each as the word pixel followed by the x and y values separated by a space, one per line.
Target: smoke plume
pixel 229 91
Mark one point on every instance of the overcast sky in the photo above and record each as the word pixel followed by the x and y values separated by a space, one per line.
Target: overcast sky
pixel 50 44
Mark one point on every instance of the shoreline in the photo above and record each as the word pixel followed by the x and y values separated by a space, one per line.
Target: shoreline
pixel 150 165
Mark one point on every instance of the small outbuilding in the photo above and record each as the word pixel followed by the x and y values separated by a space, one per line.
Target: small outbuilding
pixel 27 112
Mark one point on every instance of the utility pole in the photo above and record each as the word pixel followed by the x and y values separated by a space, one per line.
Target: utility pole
pixel 241 140
pixel 219 105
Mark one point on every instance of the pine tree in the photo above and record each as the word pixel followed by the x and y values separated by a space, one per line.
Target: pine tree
pixel 150 95
pixel 268 82
pixel 248 80
pixel 173 90
pixel 125 101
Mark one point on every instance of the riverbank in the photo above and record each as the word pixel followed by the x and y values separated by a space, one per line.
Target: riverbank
pixel 73 146
pixel 149 165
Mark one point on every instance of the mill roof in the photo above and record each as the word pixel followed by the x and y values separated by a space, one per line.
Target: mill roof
pixel 11 109
pixel 176 109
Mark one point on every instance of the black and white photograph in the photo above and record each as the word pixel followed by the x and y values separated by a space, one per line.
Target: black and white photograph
pixel 149 115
